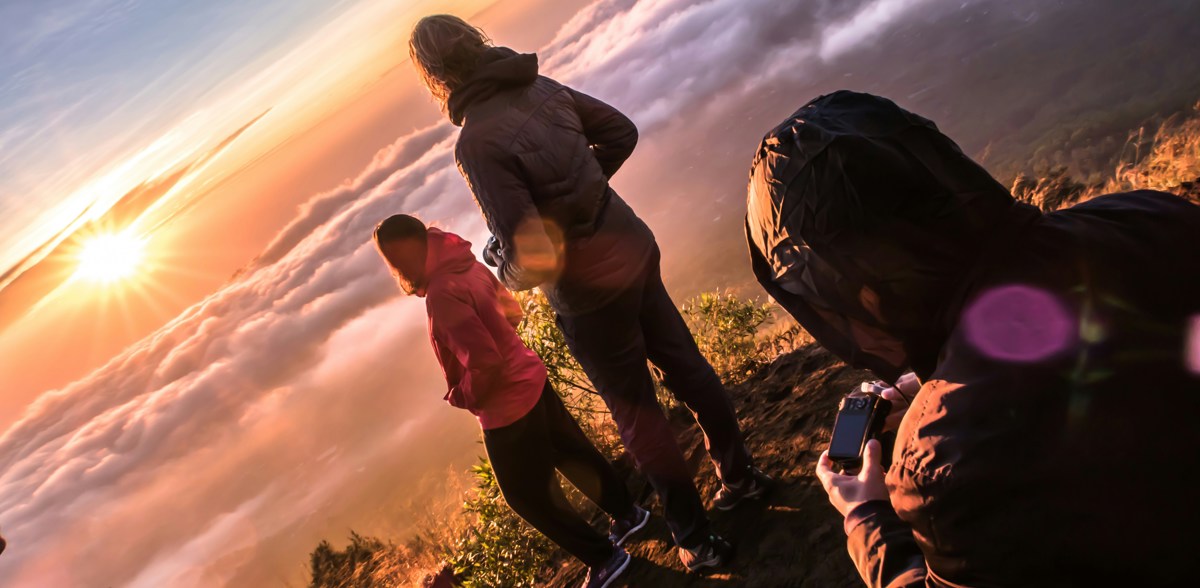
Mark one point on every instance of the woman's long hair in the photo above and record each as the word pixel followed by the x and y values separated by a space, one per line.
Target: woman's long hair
pixel 445 50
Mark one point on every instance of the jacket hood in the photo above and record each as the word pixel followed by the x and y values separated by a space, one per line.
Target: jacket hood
pixel 447 254
pixel 863 221
pixel 499 68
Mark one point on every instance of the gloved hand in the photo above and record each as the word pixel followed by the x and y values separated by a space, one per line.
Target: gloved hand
pixel 492 254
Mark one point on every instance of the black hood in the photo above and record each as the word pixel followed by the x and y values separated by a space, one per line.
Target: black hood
pixel 499 68
pixel 863 221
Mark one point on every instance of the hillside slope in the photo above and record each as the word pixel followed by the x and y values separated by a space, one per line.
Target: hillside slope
pixel 795 538
pixel 786 408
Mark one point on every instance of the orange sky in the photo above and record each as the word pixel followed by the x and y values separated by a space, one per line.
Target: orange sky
pixel 236 202
pixel 253 192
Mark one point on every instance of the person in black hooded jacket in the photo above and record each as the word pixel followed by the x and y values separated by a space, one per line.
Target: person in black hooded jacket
pixel 1054 437
pixel 538 157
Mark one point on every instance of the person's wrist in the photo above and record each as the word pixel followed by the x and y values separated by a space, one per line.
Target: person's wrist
pixel 849 507
pixel 862 512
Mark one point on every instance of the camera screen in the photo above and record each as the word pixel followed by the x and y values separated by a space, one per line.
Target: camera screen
pixel 848 435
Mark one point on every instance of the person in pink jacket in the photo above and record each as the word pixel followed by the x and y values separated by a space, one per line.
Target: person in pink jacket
pixel 528 433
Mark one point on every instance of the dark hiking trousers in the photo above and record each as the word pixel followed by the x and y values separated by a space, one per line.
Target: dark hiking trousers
pixel 525 455
pixel 612 344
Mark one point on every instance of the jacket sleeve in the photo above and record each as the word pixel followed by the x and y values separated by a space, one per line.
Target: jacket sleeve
pixel 883 548
pixel 611 134
pixel 455 324
pixel 527 257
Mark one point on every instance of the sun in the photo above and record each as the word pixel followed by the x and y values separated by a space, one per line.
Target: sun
pixel 111 257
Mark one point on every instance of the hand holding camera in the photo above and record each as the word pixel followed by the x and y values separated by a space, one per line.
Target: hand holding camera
pixel 852 469
pixel 861 417
pixel 848 491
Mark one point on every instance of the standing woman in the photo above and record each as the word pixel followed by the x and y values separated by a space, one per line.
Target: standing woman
pixel 538 157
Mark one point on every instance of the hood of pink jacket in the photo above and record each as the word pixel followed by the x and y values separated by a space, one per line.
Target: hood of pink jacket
pixel 447 253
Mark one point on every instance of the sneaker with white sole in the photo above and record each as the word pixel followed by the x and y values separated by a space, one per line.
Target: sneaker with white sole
pixel 603 576
pixel 622 529
pixel 714 552
pixel 756 485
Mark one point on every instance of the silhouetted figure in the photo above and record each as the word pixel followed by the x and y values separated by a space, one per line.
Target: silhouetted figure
pixel 1054 439
pixel 538 157
pixel 529 435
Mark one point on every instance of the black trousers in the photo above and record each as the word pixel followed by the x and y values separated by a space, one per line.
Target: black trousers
pixel 525 456
pixel 613 344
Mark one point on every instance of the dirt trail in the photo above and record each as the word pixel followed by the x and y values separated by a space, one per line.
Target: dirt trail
pixel 793 539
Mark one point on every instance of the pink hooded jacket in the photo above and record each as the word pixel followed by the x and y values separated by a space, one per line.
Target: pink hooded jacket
pixel 472 323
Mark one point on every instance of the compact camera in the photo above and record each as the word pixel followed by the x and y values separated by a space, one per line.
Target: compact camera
pixel 860 418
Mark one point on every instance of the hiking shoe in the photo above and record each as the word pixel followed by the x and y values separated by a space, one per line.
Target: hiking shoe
pixel 603 576
pixel 755 485
pixel 622 529
pixel 714 552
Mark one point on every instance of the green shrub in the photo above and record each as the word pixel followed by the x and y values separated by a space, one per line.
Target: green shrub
pixel 488 544
pixel 725 329
pixel 499 548
pixel 540 333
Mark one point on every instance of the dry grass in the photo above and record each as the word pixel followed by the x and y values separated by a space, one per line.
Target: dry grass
pixel 1167 159
pixel 1172 163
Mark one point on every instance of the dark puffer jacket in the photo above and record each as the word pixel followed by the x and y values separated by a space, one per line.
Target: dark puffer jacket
pixel 1054 440
pixel 538 156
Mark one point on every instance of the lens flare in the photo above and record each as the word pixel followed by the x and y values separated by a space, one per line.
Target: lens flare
pixel 111 257
pixel 1019 324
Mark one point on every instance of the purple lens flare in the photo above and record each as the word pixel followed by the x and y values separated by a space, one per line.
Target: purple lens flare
pixel 1019 324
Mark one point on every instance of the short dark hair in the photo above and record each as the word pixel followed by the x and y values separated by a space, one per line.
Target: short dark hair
pixel 399 227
